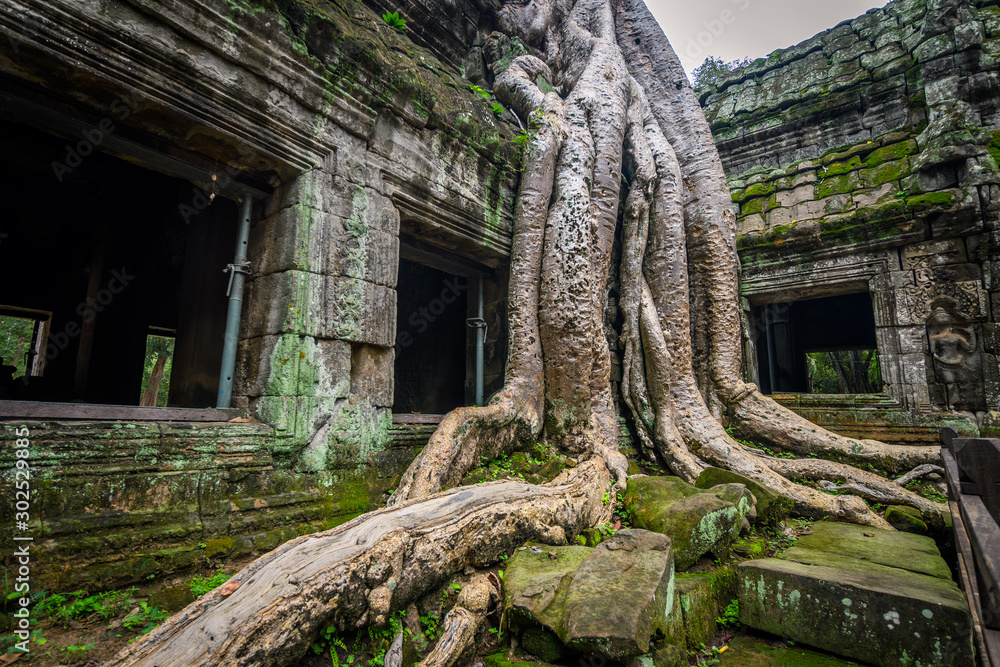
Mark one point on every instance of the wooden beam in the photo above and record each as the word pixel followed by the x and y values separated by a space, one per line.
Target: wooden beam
pixel 45 410
pixel 967 571
pixel 413 418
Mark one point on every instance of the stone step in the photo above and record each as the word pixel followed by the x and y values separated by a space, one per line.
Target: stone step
pixel 880 596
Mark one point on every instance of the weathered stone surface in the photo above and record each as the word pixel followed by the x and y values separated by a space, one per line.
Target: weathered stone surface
pixel 747 651
pixel 879 596
pixel 609 601
pixel 190 491
pixel 702 597
pixel 696 520
pixel 903 519
pixel 772 507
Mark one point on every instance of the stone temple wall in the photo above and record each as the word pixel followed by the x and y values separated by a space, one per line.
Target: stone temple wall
pixel 362 132
pixel 865 159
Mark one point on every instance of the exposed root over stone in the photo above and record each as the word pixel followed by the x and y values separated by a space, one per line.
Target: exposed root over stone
pixel 361 572
pixel 463 624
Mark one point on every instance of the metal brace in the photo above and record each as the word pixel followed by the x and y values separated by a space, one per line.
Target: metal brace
pixel 478 323
pixel 232 270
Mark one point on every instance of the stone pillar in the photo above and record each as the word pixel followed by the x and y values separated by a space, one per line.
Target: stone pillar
pixel 316 342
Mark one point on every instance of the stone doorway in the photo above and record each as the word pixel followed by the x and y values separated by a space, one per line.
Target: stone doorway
pixel 824 345
pixel 431 339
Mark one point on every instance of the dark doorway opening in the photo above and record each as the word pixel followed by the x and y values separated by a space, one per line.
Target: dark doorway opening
pixel 104 254
pixel 822 345
pixel 431 339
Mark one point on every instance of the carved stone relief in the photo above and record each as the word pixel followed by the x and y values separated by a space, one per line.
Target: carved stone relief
pixel 954 348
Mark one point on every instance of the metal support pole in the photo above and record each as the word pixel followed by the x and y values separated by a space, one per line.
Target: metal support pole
pixel 480 340
pixel 239 268
pixel 480 325
pixel 772 352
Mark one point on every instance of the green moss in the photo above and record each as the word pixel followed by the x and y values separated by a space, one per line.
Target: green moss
pixel 837 185
pixel 922 203
pixel 835 168
pixel 759 189
pixel 220 546
pixel 886 172
pixel 751 207
pixel 898 151
pixel 747 651
pixel 697 521
pixel 500 659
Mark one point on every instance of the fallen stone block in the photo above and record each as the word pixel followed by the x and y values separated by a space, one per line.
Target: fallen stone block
pixel 609 601
pixel 880 596
pixel 697 521
pixel 772 507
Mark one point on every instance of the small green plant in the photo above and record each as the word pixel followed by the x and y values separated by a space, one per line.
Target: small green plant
pixel 9 643
pixel 78 648
pixel 487 97
pixel 62 609
pixel 706 656
pixel 393 20
pixel 145 618
pixel 201 585
pixel 731 616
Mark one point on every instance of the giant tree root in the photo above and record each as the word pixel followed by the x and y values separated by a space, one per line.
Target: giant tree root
pixel 362 571
pixel 463 624
pixel 860 483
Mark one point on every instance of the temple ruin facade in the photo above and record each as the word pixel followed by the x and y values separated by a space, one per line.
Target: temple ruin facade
pixel 376 180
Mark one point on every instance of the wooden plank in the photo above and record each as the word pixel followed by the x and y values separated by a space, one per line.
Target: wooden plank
pixel 45 410
pixel 947 435
pixel 413 418
pixel 967 571
pixel 979 462
pixel 984 536
pixel 951 472
pixel 992 639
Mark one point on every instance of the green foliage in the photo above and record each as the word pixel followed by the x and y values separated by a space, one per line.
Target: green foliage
pixel 78 648
pixel 844 372
pixel 713 70
pixel 706 656
pixel 367 647
pixel 15 342
pixel 926 490
pixel 157 346
pixel 63 609
pixel 487 97
pixel 201 585
pixel 9 642
pixel 393 20
pixel 145 619
pixel 731 616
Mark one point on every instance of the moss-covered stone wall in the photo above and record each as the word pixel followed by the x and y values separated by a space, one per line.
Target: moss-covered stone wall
pixel 115 503
pixel 362 131
pixel 864 159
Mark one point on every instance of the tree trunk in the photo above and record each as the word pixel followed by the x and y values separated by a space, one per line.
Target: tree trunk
pixel 155 379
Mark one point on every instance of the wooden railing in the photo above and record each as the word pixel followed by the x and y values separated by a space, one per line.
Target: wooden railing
pixel 973 472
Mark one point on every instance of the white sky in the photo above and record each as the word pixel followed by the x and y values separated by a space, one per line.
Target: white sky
pixel 733 29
